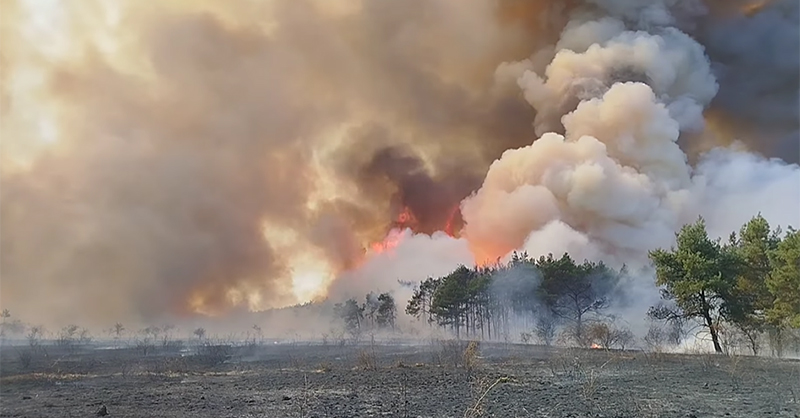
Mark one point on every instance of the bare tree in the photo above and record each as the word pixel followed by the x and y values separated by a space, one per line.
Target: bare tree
pixel 200 333
pixel 5 314
pixel 608 336
pixel 655 338
pixel 117 331
pixel 546 329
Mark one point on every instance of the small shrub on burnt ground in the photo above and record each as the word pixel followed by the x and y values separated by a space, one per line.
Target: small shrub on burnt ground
pixel 608 336
pixel 402 400
pixel 172 346
pixel 25 357
pixel 448 353
pixel 210 354
pixel 649 408
pixel 591 379
pixel 567 363
pixel 471 356
pixel 654 341
pixel 34 358
pixel 367 360
pixel 708 361
pixel 125 367
pixel 168 365
pixel 457 353
pixel 734 369
pixel 545 329
pixel 482 387
pixel 144 346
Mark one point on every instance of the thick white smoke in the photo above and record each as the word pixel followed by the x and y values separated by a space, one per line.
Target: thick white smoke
pixel 616 184
pixel 412 258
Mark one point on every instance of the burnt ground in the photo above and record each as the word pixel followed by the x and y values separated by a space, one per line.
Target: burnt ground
pixel 429 380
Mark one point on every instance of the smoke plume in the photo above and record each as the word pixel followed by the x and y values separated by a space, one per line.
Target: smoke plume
pixel 202 157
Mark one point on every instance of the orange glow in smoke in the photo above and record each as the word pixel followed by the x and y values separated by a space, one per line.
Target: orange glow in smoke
pixel 406 219
pixel 389 243
pixel 454 223
pixel 752 9
pixel 596 346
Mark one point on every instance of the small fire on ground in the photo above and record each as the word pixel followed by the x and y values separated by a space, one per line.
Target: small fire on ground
pixel 596 346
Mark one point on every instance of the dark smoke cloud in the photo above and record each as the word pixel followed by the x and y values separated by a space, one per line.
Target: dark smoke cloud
pixel 757 62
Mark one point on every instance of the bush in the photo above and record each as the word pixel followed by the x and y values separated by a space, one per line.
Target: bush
pixel 451 352
pixel 213 354
pixel 546 330
pixel 471 355
pixel 609 337
pixel 25 358
pixel 367 360
pixel 655 339
pixel 458 353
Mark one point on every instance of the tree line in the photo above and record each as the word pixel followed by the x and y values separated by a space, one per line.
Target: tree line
pixel 547 292
pixel 376 313
pixel 749 283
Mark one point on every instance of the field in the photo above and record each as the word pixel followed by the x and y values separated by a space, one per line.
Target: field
pixel 433 379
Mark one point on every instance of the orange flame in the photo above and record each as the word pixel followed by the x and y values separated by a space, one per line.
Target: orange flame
pixel 389 243
pixel 406 219
pixel 753 9
pixel 454 223
pixel 596 346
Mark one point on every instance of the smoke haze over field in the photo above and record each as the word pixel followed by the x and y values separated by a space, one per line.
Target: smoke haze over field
pixel 165 159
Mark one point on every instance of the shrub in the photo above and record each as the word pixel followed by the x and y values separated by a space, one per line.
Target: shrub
pixel 608 336
pixel 471 355
pixel 367 360
pixel 210 354
pixel 25 358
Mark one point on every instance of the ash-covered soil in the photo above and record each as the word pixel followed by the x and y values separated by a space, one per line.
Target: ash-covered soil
pixel 430 380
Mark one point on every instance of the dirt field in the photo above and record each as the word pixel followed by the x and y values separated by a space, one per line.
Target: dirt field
pixel 433 380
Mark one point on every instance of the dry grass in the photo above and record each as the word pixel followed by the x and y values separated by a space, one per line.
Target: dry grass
pixel 566 364
pixel 471 356
pixel 210 355
pixel 589 387
pixel 324 367
pixel 367 360
pixel 650 408
pixel 458 354
pixel 734 369
pixel 476 410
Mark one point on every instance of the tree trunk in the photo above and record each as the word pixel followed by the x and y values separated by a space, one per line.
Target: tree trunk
pixel 713 330
pixel 752 337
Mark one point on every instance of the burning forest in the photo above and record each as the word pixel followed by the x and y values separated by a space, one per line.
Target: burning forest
pixel 430 208
pixel 197 159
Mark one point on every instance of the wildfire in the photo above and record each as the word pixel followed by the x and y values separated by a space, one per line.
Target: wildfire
pixel 406 219
pixel 752 9
pixel 389 243
pixel 596 346
pixel 454 223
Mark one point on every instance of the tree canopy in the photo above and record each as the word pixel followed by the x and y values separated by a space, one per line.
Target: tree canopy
pixel 481 301
pixel 752 282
